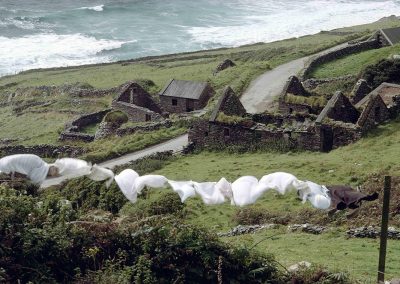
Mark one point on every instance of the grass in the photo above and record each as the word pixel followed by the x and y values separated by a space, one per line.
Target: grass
pixel 359 257
pixel 112 147
pixel 251 60
pixel 354 64
pixel 369 159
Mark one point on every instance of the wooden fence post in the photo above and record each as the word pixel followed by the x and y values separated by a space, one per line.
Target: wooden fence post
pixel 384 229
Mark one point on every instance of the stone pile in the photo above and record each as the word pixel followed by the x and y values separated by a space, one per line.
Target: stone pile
pixel 371 232
pixel 307 228
pixel 248 229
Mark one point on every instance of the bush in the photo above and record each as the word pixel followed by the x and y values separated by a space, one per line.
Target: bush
pixel 255 216
pixel 36 248
pixel 116 117
pixel 384 71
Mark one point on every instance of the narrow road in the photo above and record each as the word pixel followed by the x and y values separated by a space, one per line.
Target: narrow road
pixel 175 145
pixel 263 90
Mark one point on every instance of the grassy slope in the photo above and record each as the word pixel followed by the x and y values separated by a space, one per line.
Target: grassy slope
pixel 354 64
pixel 251 61
pixel 372 156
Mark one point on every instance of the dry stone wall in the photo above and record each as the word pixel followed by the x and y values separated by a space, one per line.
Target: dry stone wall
pixel 49 151
pixel 73 128
pixel 330 56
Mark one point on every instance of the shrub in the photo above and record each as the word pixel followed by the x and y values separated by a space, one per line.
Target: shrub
pixel 116 117
pixel 253 216
pixel 384 71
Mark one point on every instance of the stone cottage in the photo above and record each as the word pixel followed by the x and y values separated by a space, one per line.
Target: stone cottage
pixel 293 99
pixel 380 105
pixel 388 37
pixel 338 124
pixel 180 96
pixel 137 104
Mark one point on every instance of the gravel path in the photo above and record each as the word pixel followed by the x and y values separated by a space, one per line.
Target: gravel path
pixel 262 92
pixel 175 145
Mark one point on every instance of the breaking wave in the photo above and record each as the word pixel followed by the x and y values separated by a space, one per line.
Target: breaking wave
pixel 295 21
pixel 98 8
pixel 51 50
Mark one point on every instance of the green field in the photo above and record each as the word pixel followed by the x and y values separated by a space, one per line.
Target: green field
pixel 33 118
pixel 36 124
pixel 354 64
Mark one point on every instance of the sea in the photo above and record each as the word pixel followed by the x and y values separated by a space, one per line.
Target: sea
pixel 51 33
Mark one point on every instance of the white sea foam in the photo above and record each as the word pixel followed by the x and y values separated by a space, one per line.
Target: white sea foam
pixel 51 50
pixel 98 8
pixel 289 21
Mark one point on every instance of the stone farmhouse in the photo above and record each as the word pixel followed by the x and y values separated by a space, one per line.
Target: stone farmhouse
pixel 180 96
pixel 137 104
pixel 339 123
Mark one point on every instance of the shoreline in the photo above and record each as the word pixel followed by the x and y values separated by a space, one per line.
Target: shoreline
pixel 168 55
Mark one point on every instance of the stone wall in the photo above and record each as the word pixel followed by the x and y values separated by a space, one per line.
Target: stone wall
pixel 134 94
pixel 293 86
pixel 220 135
pixel 289 108
pixel 75 136
pixel 330 56
pixel 312 83
pixel 72 129
pixel 345 134
pixel 360 90
pixel 136 113
pixel 44 151
pixel 148 127
pixel 374 112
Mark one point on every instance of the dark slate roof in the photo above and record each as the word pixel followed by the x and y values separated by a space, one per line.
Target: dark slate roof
pixel 184 89
pixel 392 35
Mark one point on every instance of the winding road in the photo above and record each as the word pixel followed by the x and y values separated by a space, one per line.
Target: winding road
pixel 175 144
pixel 262 92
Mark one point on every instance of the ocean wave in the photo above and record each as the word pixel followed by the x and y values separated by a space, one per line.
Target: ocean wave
pixel 26 23
pixel 52 50
pixel 98 8
pixel 293 22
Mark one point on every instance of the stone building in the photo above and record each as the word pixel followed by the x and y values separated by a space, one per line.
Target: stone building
pixel 360 90
pixel 339 108
pixel 338 124
pixel 293 98
pixel 388 37
pixel 379 105
pixel 137 104
pixel 185 96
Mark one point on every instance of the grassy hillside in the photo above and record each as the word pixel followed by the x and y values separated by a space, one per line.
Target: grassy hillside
pixel 354 64
pixel 363 163
pixel 41 116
